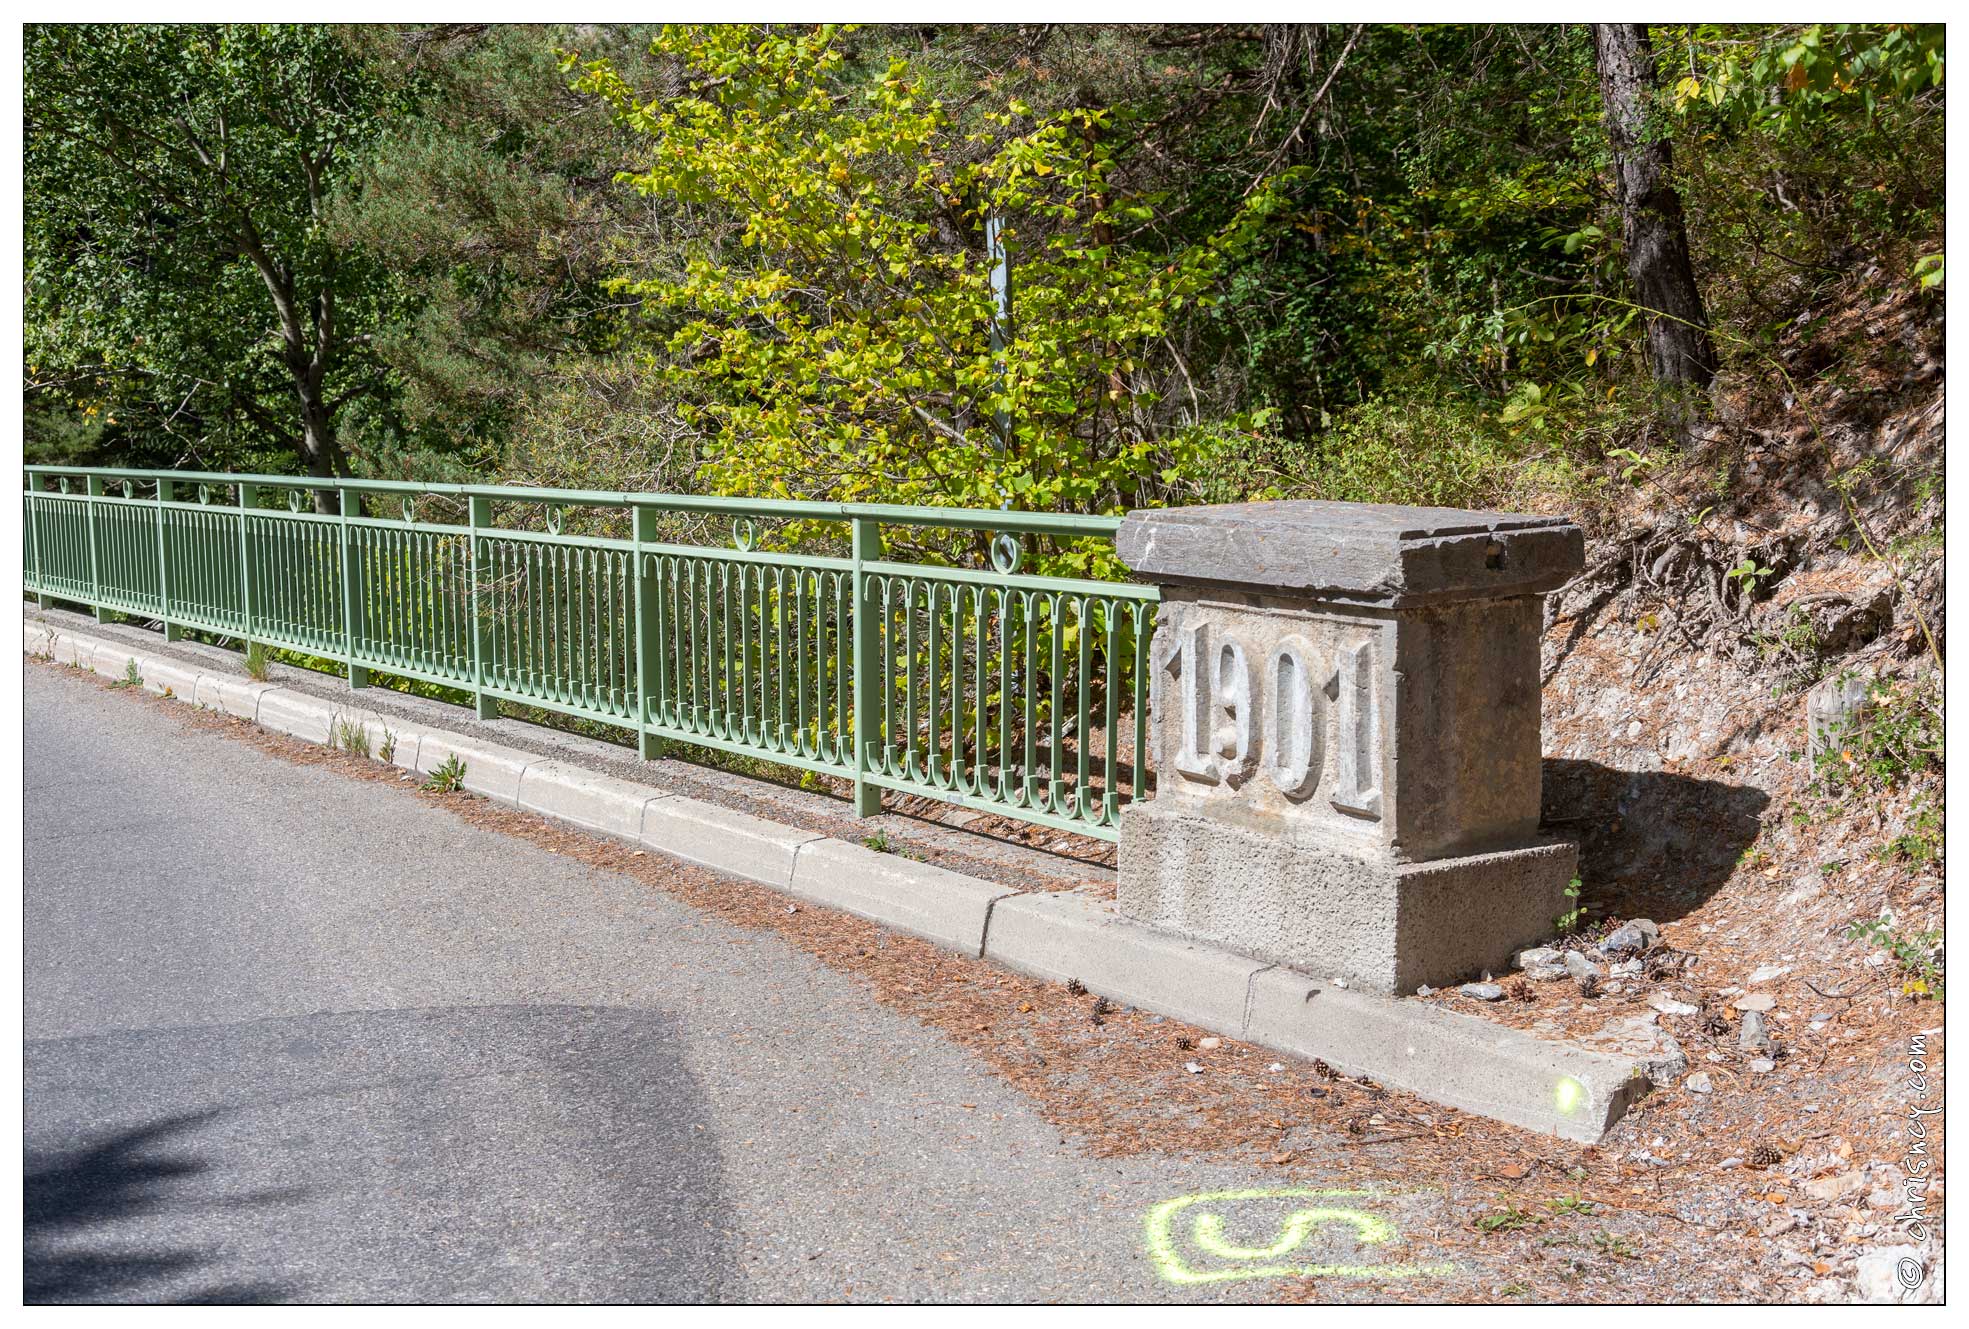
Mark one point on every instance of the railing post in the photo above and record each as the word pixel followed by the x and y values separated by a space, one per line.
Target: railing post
pixel 41 598
pixel 93 488
pixel 867 548
pixel 249 498
pixel 648 625
pixel 351 590
pixel 480 519
pixel 172 631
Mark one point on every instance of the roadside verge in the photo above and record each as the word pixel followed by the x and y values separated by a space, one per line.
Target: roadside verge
pixel 1458 1060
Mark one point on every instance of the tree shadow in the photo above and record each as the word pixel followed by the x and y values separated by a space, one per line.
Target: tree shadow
pixel 1652 844
pixel 72 1195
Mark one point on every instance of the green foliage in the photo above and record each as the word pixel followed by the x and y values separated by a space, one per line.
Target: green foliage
pixel 1922 843
pixel 179 286
pixel 1569 922
pixel 256 660
pixel 387 749
pixel 448 776
pixel 1896 736
pixel 131 678
pixel 1507 1218
pixel 351 736
pixel 1918 956
pixel 833 333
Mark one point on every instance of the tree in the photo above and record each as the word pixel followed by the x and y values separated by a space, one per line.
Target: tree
pixel 178 271
pixel 1653 234
pixel 830 329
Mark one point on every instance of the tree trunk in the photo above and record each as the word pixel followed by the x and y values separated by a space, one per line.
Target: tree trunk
pixel 1657 242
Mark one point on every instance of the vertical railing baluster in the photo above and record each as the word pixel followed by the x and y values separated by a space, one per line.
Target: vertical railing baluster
pixel 353 615
pixel 165 491
pixel 865 548
pixel 92 489
pixel 479 520
pixel 249 594
pixel 649 621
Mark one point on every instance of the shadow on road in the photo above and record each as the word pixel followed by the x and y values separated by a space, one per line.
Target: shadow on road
pixel 73 1195
pixel 482 1153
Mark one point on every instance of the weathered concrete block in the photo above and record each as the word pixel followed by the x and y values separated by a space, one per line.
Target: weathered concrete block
pixel 1383 926
pixel 931 902
pixel 1342 695
pixel 584 798
pixel 734 842
pixel 1381 554
pixel 1060 936
pixel 1461 1060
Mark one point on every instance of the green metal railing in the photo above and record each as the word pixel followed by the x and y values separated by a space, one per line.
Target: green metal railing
pixel 987 687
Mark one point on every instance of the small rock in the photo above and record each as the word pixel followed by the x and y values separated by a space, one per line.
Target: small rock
pixel 1276 1066
pixel 1828 1189
pixel 1831 711
pixel 1425 991
pixel 1778 1222
pixel 1627 968
pixel 1765 973
pixel 1648 927
pixel 1535 956
pixel 1667 1005
pixel 1192 1068
pixel 1728 1163
pixel 1887 1275
pixel 1885 1198
pixel 1623 939
pixel 1340 983
pixel 1482 991
pixel 1546 973
pixel 1697 1083
pixel 1757 1001
pixel 1752 1036
pixel 1581 968
pixel 1210 1044
pixel 1763 1065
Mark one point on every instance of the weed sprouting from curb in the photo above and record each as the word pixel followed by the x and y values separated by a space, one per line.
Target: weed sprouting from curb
pixel 879 841
pixel 131 678
pixel 388 750
pixel 256 661
pixel 352 736
pixel 448 777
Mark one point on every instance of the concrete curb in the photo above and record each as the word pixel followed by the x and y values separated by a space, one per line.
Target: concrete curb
pixel 1465 1062
pixel 934 903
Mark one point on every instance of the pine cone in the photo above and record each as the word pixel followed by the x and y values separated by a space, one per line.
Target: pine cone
pixel 1766 1155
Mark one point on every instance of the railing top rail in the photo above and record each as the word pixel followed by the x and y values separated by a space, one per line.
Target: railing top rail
pixel 893 514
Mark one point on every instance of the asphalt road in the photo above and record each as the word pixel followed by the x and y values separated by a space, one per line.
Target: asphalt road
pixel 292 1036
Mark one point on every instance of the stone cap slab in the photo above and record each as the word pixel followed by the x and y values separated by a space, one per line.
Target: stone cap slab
pixel 1359 553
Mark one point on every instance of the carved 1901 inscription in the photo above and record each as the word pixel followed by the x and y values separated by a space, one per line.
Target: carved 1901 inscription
pixel 1300 716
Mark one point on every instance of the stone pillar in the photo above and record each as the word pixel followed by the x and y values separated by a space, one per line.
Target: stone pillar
pixel 1344 728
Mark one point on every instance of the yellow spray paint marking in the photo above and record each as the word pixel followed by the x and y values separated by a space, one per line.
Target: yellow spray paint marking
pixel 1217 1260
